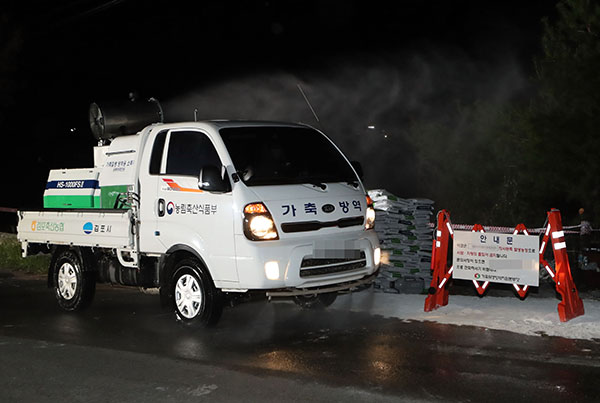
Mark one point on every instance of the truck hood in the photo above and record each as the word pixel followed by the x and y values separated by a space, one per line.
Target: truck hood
pixel 304 208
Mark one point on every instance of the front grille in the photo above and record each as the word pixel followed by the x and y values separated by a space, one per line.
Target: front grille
pixel 311 266
pixel 306 226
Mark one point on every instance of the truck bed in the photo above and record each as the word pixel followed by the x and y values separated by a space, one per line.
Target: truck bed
pixel 81 227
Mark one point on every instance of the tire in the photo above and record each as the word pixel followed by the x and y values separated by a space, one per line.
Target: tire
pixel 74 286
pixel 196 300
pixel 316 301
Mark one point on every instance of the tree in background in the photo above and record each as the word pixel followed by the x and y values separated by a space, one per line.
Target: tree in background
pixel 561 126
pixel 504 163
pixel 468 163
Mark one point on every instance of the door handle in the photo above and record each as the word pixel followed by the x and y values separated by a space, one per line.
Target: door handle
pixel 161 207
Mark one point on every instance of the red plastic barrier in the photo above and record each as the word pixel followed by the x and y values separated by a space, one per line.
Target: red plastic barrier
pixel 438 292
pixel 571 305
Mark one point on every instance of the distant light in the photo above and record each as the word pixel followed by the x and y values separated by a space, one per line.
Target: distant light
pixel 385 136
pixel 73 129
pixel 371 127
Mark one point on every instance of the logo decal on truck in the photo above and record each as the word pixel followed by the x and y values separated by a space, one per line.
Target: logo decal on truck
pixel 191 208
pixel 47 226
pixel 328 208
pixel 120 166
pixel 73 184
pixel 174 186
pixel 346 206
pixel 90 227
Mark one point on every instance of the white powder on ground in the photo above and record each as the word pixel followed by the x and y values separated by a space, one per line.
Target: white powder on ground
pixel 532 316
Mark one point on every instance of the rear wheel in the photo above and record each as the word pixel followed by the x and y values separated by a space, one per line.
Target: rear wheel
pixel 74 286
pixel 196 300
pixel 316 301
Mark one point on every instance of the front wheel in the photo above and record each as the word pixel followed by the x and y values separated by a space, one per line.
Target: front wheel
pixel 197 301
pixel 74 287
pixel 316 301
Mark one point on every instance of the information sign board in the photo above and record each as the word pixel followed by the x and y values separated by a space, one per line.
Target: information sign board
pixel 497 258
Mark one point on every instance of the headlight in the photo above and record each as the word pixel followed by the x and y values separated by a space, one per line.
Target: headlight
pixel 258 223
pixel 370 218
pixel 262 227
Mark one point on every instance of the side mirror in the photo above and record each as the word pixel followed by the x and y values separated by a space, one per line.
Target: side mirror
pixel 358 168
pixel 211 180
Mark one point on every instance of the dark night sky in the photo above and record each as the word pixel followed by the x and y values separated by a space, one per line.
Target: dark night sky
pixel 242 59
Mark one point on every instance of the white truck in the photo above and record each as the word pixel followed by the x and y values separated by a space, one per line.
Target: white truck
pixel 204 211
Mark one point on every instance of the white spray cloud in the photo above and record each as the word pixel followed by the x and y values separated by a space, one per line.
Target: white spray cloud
pixel 388 92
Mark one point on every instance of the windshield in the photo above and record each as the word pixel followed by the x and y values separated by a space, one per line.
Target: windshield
pixel 285 155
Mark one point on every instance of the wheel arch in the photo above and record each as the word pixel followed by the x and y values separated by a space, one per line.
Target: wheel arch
pixel 85 254
pixel 174 254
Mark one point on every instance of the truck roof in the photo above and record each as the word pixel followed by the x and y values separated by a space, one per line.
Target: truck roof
pixel 238 123
pixel 219 124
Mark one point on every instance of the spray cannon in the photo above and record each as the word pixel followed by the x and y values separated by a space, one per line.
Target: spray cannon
pixel 116 119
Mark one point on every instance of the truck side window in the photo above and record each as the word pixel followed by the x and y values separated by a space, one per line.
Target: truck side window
pixel 157 151
pixel 189 152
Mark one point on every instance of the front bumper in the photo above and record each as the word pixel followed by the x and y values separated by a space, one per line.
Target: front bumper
pixel 290 253
pixel 347 286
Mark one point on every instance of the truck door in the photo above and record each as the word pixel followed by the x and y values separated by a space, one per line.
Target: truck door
pixel 184 214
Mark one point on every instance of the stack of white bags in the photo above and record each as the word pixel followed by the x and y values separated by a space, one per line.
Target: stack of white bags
pixel 405 234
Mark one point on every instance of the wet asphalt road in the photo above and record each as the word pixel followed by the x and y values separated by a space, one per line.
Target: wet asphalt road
pixel 127 348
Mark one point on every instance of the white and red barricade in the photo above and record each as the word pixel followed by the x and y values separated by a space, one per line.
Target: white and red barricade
pixel 571 304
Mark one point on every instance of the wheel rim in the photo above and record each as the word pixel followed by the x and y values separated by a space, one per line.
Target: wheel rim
pixel 67 281
pixel 188 296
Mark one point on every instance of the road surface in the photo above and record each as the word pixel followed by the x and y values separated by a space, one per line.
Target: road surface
pixel 125 347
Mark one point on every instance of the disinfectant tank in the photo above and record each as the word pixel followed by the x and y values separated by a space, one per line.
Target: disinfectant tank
pixel 123 118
